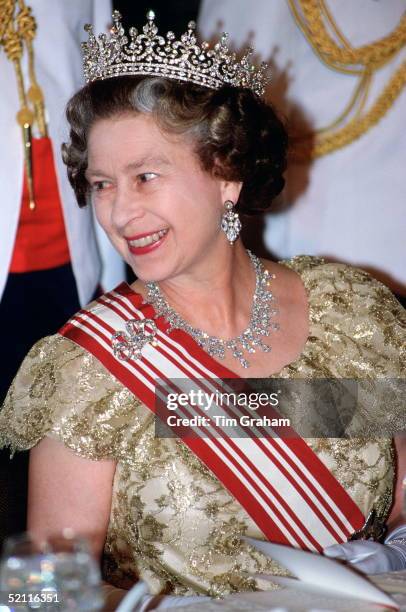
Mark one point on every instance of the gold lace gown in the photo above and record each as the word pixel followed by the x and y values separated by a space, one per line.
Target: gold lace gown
pixel 172 522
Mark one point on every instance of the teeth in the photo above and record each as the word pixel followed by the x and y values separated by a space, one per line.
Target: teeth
pixel 146 240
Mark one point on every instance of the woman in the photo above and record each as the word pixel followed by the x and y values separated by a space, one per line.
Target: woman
pixel 166 162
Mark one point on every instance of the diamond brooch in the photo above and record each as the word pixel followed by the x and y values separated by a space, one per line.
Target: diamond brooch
pixel 128 344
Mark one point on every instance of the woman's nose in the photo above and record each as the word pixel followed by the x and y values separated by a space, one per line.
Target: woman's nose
pixel 127 206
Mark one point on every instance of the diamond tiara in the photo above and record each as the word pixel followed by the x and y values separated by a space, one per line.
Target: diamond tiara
pixel 150 54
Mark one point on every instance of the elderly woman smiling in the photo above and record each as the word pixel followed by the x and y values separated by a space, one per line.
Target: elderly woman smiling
pixel 170 151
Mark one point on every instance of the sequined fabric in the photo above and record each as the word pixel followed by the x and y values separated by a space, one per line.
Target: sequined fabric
pixel 172 523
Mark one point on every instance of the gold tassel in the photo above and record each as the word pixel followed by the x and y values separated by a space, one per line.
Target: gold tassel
pixel 15 32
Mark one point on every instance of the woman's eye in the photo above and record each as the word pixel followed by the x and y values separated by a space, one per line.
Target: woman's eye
pixel 145 177
pixel 100 186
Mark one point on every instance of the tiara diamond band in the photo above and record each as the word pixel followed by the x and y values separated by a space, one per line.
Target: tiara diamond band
pixel 150 54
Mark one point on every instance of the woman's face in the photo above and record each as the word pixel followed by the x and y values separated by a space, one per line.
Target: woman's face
pixel 160 210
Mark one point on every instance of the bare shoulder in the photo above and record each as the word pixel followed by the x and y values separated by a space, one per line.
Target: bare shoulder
pixel 287 286
pixel 293 312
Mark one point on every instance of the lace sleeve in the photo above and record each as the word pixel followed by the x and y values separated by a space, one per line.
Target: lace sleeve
pixel 359 324
pixel 65 393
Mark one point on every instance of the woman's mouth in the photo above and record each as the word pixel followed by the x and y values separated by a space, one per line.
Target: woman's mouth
pixel 146 242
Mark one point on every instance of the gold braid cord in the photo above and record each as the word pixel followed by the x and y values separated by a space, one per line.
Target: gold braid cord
pixel 26 28
pixel 17 29
pixel 313 16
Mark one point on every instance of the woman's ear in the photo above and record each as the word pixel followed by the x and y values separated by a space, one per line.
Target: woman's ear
pixel 230 190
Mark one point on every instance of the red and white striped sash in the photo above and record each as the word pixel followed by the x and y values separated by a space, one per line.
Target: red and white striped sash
pixel 282 484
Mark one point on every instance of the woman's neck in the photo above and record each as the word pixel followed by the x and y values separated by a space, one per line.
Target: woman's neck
pixel 216 299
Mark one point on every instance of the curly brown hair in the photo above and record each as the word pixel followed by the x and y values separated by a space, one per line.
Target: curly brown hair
pixel 237 136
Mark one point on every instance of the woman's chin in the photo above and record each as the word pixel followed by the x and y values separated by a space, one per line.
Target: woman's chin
pixel 152 274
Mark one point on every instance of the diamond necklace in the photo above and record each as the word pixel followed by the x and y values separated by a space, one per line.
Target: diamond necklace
pixel 251 338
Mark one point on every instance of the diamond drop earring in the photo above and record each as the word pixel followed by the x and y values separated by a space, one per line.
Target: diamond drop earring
pixel 230 222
